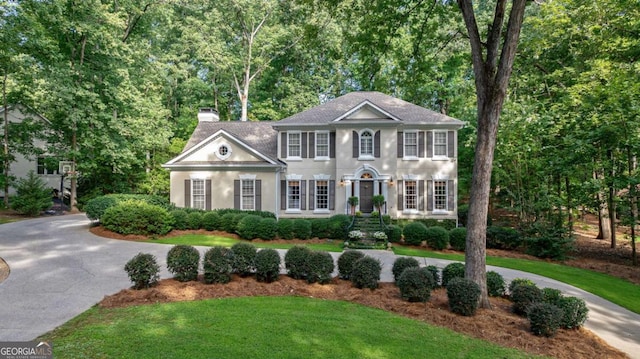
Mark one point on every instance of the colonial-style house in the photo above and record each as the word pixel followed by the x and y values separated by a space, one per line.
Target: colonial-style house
pixel 308 165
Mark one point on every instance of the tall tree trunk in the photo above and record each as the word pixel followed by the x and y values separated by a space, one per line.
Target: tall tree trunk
pixel 604 229
pixel 611 200
pixel 633 199
pixel 567 184
pixel 5 142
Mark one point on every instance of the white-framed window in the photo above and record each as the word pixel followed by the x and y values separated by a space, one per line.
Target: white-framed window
pixel 411 195
pixel 410 144
pixel 247 194
pixel 198 193
pixel 322 144
pixel 47 165
pixel 224 151
pixel 366 143
pixel 293 195
pixel 440 195
pixel 322 195
pixel 440 143
pixel 294 144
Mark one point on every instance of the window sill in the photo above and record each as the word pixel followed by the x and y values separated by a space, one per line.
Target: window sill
pixel 440 212
pixel 321 211
pixel 410 211
pixel 294 159
pixel 440 158
pixel 366 158
pixel 410 158
pixel 321 159
pixel 293 211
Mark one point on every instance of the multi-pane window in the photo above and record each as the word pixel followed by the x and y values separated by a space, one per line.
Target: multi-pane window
pixel 197 193
pixel 247 194
pixel 440 143
pixel 366 144
pixel 440 195
pixel 47 166
pixel 322 144
pixel 293 195
pixel 322 194
pixel 294 144
pixel 411 144
pixel 411 195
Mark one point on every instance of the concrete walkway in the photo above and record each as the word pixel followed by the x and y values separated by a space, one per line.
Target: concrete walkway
pixel 59 270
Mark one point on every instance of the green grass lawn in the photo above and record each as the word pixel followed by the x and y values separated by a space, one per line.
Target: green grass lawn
pixel 261 327
pixel 616 290
pixel 211 241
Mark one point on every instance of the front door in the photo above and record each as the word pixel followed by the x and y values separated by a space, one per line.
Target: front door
pixel 366 196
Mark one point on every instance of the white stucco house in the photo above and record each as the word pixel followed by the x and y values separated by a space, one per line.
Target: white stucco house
pixel 361 144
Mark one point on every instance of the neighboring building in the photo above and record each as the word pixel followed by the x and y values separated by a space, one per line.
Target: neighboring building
pixel 361 144
pixel 45 166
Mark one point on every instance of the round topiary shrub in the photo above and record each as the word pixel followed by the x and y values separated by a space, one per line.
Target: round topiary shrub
pixel 496 285
pixel 183 261
pixel 544 318
pixel 415 284
pixel 366 273
pixel 143 270
pixel 518 281
pixel 285 228
pixel 295 260
pixel 574 311
pixel 523 296
pixel 551 296
pixel 247 228
pixel 463 295
pixel 95 207
pixel 319 266
pixel 435 273
pixel 227 222
pixel 415 233
pixel 339 226
pixel 301 228
pixel 437 238
pixel 402 263
pixel 320 228
pixel 217 265
pixel 346 261
pixel 394 233
pixel 267 265
pixel 458 238
pixel 136 217
pixel 211 221
pixel 244 258
pixel 267 228
pixel 194 220
pixel 179 219
pixel 452 270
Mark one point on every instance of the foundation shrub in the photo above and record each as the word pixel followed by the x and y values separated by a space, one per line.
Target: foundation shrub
pixel 95 207
pixel 137 217
pixel 194 220
pixel 402 263
pixel 496 285
pixel 217 265
pixel 394 233
pixel 523 296
pixel 295 261
pixel 346 261
pixel 302 229
pixel 285 228
pixel 452 270
pixel 458 238
pixel 415 233
pixel 366 273
pixel 143 270
pixel 211 221
pixel 243 260
pixel 183 261
pixel 320 228
pixel 267 228
pixel 319 266
pixel 247 228
pixel 463 295
pixel 227 223
pixel 339 226
pixel 267 265
pixel 544 319
pixel 437 238
pixel 179 219
pixel 415 284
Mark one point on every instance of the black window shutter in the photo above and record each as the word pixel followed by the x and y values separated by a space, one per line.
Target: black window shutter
pixel 207 194
pixel 303 194
pixel 283 145
pixel 450 195
pixel 376 144
pixel 312 144
pixel 451 145
pixel 356 144
pixel 400 145
pixel 332 195
pixel 258 193
pixel 429 144
pixel 429 195
pixel 283 194
pixel 421 144
pixel 400 195
pixel 332 145
pixel 236 194
pixel 312 194
pixel 421 195
pixel 187 193
pixel 304 144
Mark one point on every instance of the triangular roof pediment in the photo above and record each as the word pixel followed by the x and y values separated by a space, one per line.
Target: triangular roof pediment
pixel 366 110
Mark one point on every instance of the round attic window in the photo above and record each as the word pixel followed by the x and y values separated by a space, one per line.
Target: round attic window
pixel 224 151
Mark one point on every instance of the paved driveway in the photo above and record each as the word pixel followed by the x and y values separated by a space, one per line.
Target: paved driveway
pixel 59 270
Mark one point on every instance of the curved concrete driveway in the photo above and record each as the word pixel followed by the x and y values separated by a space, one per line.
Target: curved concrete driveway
pixel 59 270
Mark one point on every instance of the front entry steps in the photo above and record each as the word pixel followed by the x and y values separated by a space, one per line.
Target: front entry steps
pixel 367 233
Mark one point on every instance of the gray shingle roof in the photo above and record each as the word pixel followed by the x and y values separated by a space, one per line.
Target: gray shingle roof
pixel 404 111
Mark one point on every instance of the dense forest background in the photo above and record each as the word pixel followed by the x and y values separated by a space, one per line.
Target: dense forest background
pixel 121 82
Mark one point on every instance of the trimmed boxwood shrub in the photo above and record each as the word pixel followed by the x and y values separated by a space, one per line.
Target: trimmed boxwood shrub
pixel 295 261
pixel 437 238
pixel 523 296
pixel 319 266
pixel 267 265
pixel 320 227
pixel 247 228
pixel 217 265
pixel 415 233
pixel 458 238
pixel 244 258
pixel 183 261
pixel 135 217
pixel 95 207
pixel 227 222
pixel 285 228
pixel 394 233
pixel 366 273
pixel 194 220
pixel 143 270
pixel 339 226
pixel 179 219
pixel 544 318
pixel 346 261
pixel 574 312
pixel 551 295
pixel 267 228
pixel 463 296
pixel 211 221
pixel 503 238
pixel 301 229
pixel 402 263
pixel 415 284
pixel 518 281
pixel 496 285
pixel 452 270
pixel 435 273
